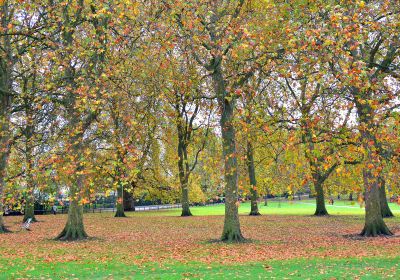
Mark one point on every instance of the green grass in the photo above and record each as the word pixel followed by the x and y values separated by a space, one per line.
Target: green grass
pixel 367 268
pixel 296 207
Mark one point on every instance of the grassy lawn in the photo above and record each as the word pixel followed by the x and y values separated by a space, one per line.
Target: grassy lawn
pixel 295 207
pixel 284 243
pixel 368 268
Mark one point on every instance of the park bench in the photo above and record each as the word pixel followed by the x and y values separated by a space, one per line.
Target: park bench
pixel 27 224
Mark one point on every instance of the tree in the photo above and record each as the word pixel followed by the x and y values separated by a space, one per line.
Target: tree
pixel 127 130
pixel 216 22
pixel 17 38
pixel 76 77
pixel 248 126
pixel 6 90
pixel 365 48
pixel 191 115
pixel 308 102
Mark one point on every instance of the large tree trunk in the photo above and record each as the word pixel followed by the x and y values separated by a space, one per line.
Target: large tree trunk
pixel 129 201
pixel 29 209
pixel 253 182
pixel 185 201
pixel 183 170
pixel 74 229
pixel 385 210
pixel 6 65
pixel 374 223
pixel 120 201
pixel 320 199
pixel 185 196
pixel 231 231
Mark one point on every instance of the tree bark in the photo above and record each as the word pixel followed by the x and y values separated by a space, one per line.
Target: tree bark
pixel 184 191
pixel 74 228
pixel 6 65
pixel 29 209
pixel 385 210
pixel 129 201
pixel 320 200
pixel 253 182
pixel 185 201
pixel 231 231
pixel 120 213
pixel 183 167
pixel 374 223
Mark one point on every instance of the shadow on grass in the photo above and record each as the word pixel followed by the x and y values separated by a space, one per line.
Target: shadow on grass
pixel 219 241
pixel 83 240
pixel 359 237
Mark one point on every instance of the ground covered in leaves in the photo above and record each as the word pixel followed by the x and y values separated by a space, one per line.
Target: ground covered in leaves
pixel 162 246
